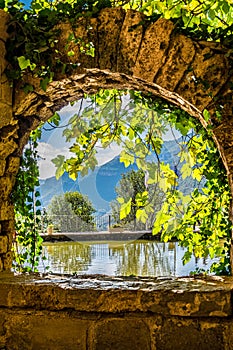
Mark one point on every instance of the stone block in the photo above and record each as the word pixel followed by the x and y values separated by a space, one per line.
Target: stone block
pixel 130 40
pixel 46 331
pixel 188 302
pixel 13 165
pixel 8 226
pixel 6 185
pixel 7 148
pixel 179 58
pixel 4 20
pixel 110 24
pixel 7 260
pixel 153 49
pixel 87 32
pixel 212 71
pixel 6 210
pixel 3 62
pixel 228 335
pixel 5 89
pixel 4 295
pixel 2 167
pixel 3 244
pixel 2 330
pixel 186 334
pixel 121 334
pixel 1 264
pixel 5 114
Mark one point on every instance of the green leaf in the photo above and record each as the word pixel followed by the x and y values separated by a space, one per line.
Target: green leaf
pixel 38 203
pixel 44 82
pixel 197 174
pixel 211 14
pixel 186 170
pixel 141 199
pixel 125 209
pixel 141 215
pixel 225 7
pixel 126 158
pixel 59 162
pixel 23 62
pixel 120 200
pixel 206 115
pixel 28 88
pixel 70 53
pixel 141 163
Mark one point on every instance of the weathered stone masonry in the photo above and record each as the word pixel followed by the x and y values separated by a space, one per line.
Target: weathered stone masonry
pixel 101 313
pixel 128 54
pixel 9 159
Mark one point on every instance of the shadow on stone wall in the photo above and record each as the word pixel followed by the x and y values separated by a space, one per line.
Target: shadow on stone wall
pixel 101 313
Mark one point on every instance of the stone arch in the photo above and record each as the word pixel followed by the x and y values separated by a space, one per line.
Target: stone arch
pixel 129 53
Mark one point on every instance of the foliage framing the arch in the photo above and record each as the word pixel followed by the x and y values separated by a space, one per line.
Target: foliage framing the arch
pixel 209 20
pixel 30 50
pixel 138 125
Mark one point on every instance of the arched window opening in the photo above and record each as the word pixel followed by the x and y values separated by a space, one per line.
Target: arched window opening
pixel 173 184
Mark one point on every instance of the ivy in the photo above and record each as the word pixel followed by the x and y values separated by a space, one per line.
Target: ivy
pixel 138 127
pixel 33 35
pixel 202 19
pixel 28 243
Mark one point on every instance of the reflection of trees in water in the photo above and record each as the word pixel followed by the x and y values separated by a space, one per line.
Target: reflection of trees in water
pixel 139 258
pixel 145 258
pixel 68 257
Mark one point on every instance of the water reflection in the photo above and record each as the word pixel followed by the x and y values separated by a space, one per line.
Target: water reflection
pixel 139 258
pixel 143 259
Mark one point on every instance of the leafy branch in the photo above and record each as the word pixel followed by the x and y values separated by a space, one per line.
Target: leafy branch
pixel 139 136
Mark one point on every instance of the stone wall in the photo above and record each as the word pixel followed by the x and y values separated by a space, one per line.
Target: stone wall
pixel 130 53
pixel 101 313
pixel 9 156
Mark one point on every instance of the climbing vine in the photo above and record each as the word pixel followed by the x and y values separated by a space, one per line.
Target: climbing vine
pixel 137 123
pixel 36 39
pixel 199 219
pixel 27 241
pixel 140 131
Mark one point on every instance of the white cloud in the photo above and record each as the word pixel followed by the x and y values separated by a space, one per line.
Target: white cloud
pixel 46 153
pixel 55 143
pixel 105 155
pixel 170 134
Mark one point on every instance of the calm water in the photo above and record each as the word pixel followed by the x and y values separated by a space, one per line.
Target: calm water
pixel 140 258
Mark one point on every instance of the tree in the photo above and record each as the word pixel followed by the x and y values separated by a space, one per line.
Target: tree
pixel 204 20
pixel 138 125
pixel 132 187
pixel 71 211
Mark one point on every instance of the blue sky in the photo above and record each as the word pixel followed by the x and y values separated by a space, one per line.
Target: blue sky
pixel 53 143
pixel 26 2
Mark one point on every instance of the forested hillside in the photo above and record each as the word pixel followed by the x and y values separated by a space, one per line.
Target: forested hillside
pixel 100 184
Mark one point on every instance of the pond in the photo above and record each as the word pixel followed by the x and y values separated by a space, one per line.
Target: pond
pixel 139 258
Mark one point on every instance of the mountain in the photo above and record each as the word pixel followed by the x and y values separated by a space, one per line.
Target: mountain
pixel 100 184
pixel 108 176
pixel 51 186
